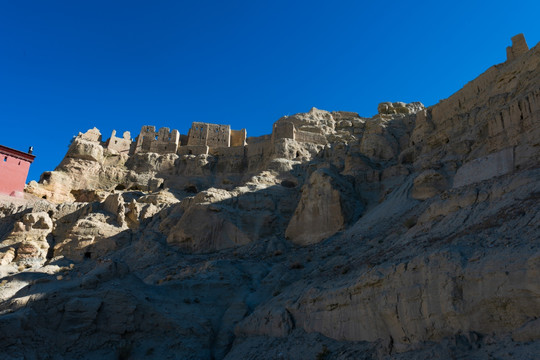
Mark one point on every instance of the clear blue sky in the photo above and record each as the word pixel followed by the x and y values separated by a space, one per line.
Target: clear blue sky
pixel 67 66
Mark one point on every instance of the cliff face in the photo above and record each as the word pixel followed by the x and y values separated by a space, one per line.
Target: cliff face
pixel 410 234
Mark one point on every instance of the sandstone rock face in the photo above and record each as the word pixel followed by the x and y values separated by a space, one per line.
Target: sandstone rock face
pixel 89 237
pixel 85 150
pixel 216 219
pixel 27 243
pixel 314 121
pixel 326 206
pixel 502 101
pixel 428 184
pixel 54 186
pixel 201 229
pixel 487 167
pixel 388 108
pixel 423 303
pixel 410 234
pixel 387 134
pixel 376 142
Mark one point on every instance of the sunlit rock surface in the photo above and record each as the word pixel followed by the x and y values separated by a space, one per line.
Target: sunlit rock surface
pixel 410 234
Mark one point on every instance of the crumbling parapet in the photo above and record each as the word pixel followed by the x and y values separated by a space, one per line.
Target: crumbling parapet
pixel 183 140
pixel 145 138
pixel 518 48
pixel 238 137
pixel 162 142
pixel 259 146
pixel 121 145
pixel 166 141
pixel 202 139
pixel 283 130
pixel 211 135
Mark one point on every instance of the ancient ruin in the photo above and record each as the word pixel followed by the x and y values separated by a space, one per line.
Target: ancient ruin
pixel 121 145
pixel 163 141
pixel 410 234
pixel 518 48
pixel 202 139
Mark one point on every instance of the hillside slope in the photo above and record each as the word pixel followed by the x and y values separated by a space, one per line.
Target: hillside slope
pixel 411 234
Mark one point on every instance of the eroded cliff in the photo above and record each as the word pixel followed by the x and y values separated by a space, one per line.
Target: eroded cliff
pixel 411 234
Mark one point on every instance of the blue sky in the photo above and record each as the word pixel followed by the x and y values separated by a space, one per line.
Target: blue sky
pixel 67 66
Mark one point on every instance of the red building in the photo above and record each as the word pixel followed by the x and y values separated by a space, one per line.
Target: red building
pixel 14 166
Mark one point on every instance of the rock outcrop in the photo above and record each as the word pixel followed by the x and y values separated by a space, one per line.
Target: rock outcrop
pixel 410 234
pixel 327 205
pixel 27 243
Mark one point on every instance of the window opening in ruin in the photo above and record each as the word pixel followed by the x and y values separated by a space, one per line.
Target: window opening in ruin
pixel 88 255
pixel 19 163
pixel 156 137
pixel 5 158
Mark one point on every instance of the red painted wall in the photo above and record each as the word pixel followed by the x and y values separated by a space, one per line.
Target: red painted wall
pixel 13 171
